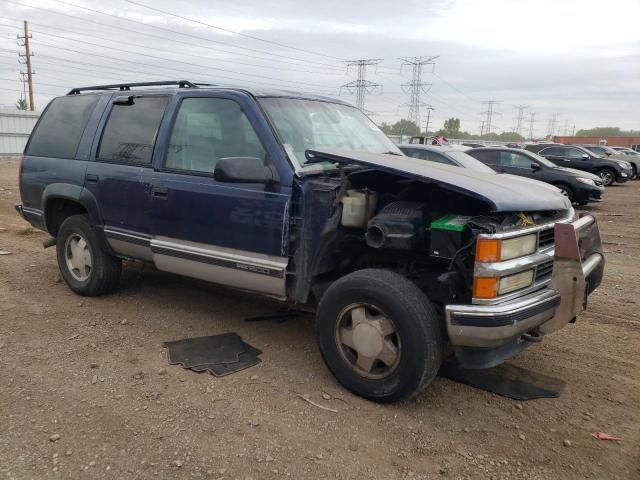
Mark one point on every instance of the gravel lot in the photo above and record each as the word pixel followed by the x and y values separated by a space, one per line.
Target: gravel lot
pixel 85 390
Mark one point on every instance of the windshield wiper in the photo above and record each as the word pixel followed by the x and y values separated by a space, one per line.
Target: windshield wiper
pixel 393 153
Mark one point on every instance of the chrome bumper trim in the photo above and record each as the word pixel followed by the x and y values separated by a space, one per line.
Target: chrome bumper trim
pixel 509 319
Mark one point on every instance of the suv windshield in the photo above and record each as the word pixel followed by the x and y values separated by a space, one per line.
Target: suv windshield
pixel 317 125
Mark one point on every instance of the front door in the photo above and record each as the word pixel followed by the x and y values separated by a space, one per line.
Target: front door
pixel 121 167
pixel 519 164
pixel 229 233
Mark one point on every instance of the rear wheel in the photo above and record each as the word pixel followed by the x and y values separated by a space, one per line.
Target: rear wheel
pixel 85 267
pixel 379 335
pixel 607 175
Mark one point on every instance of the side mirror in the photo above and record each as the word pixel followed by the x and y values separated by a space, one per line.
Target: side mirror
pixel 244 170
pixel 585 157
pixel 535 167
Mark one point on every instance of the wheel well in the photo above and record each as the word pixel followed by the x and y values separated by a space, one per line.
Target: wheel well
pixel 58 210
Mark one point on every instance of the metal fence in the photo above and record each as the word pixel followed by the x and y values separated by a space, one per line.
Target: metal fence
pixel 15 128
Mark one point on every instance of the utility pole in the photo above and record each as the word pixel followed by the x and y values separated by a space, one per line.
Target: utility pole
pixel 27 57
pixel 482 124
pixel 416 86
pixel 520 117
pixel 426 129
pixel 490 112
pixel 532 120
pixel 361 86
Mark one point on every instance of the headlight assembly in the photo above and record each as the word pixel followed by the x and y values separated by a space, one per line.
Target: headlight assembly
pixel 588 181
pixel 492 250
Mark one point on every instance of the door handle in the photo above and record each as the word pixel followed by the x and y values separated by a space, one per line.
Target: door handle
pixel 91 178
pixel 160 192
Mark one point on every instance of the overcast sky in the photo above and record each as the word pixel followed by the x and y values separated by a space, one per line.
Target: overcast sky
pixel 579 59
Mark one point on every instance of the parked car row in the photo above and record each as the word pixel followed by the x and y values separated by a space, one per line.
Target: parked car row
pixel 580 172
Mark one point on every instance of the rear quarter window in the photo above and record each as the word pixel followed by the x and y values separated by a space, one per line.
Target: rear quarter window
pixel 59 130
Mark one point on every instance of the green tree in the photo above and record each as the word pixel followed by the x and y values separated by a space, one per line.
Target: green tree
pixel 401 127
pixel 606 132
pixel 22 104
pixel 451 127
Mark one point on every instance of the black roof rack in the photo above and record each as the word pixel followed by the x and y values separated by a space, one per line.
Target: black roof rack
pixel 128 86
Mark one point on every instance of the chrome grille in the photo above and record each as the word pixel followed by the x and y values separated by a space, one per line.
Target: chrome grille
pixel 543 272
pixel 546 238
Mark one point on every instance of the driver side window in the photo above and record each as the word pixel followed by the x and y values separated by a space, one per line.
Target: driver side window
pixel 516 160
pixel 208 129
pixel 573 153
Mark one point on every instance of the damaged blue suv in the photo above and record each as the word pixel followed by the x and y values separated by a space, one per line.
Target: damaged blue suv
pixel 302 198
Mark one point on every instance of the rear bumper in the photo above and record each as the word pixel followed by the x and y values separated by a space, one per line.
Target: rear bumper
pixel 577 271
pixel 31 215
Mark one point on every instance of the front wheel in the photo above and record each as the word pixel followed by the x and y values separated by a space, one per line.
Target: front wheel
pixel 607 175
pixel 379 335
pixel 566 191
pixel 85 267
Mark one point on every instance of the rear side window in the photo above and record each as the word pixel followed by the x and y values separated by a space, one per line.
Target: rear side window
pixel 131 130
pixel 60 128
pixel 489 157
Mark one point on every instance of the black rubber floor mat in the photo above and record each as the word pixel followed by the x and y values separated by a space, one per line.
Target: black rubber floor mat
pixel 212 353
pixel 506 380
pixel 245 360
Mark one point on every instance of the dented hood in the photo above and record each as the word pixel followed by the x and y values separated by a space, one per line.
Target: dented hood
pixel 505 193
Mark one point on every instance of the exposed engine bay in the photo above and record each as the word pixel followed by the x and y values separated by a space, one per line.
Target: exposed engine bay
pixel 423 230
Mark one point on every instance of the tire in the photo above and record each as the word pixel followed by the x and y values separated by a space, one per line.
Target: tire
pixel 377 298
pixel 607 175
pixel 86 268
pixel 566 191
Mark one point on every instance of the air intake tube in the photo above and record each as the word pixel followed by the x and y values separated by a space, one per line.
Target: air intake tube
pixel 399 225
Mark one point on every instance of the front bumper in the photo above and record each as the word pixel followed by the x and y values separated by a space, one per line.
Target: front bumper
pixel 588 193
pixel 577 271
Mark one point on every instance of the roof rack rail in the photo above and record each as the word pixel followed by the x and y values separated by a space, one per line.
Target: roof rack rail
pixel 128 86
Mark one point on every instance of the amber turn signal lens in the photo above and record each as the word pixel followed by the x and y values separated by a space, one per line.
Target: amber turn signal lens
pixel 487 250
pixel 485 287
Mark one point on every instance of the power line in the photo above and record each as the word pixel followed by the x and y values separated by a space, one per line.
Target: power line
pixel 163 29
pixel 169 51
pixel 416 86
pixel 361 86
pixel 232 31
pixel 174 61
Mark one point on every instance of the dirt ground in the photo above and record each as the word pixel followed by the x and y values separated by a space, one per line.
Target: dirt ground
pixel 86 392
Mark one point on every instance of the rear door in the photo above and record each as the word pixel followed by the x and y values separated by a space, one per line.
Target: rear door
pixel 230 233
pixel 123 152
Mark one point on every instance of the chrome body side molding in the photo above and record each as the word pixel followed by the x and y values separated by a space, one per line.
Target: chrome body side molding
pixel 235 268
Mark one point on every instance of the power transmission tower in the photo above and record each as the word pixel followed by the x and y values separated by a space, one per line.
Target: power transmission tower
pixel 416 86
pixel 532 120
pixel 553 124
pixel 520 117
pixel 490 112
pixel 482 124
pixel 361 86
pixel 426 129
pixel 27 60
